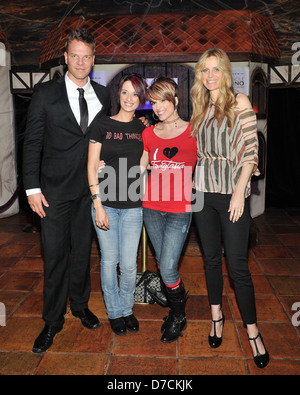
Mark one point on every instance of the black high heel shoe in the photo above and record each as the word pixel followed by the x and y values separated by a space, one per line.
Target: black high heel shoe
pixel 261 360
pixel 215 341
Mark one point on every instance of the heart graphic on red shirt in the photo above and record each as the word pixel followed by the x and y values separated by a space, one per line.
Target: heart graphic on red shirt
pixel 170 152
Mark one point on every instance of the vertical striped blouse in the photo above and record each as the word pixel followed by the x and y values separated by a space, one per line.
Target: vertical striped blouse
pixel 222 152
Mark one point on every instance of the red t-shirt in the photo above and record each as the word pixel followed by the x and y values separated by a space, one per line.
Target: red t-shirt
pixel 172 161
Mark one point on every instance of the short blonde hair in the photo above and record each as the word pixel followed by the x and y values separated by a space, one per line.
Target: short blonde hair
pixel 163 88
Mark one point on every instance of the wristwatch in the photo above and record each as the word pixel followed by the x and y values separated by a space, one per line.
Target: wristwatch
pixel 96 196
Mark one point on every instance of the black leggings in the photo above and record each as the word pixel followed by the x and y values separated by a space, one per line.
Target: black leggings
pixel 213 226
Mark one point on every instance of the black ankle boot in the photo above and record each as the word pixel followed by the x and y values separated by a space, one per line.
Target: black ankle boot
pixel 175 323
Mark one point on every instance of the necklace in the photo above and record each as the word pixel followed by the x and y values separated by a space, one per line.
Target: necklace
pixel 173 121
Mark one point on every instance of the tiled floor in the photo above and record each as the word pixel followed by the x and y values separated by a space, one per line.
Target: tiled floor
pixel 275 265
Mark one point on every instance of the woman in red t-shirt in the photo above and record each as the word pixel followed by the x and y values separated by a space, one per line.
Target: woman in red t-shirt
pixel 172 154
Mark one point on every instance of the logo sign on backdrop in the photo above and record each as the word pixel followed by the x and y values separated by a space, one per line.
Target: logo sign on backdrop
pixel 240 76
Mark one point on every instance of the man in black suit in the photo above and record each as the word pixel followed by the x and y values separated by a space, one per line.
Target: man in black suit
pixel 55 180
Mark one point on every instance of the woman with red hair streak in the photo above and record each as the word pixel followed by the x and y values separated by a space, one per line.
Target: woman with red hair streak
pixel 117 213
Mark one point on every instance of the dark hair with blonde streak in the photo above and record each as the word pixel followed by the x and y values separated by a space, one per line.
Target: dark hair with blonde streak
pixel 226 101
pixel 163 88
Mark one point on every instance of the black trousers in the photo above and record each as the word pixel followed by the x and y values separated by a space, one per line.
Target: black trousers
pixel 213 226
pixel 66 237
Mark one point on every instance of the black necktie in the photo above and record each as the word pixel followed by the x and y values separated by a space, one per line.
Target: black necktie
pixel 84 115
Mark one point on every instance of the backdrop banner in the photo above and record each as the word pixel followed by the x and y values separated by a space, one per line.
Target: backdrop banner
pixel 8 177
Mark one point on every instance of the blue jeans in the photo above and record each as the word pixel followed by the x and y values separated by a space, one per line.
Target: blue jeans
pixel 167 232
pixel 119 245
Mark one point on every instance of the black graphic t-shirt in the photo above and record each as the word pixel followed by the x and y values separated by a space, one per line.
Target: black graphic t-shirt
pixel 122 147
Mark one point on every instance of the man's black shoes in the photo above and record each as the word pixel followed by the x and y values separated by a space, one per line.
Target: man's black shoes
pixel 88 319
pixel 45 338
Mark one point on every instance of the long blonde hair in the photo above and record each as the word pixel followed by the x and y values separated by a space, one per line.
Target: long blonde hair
pixel 224 106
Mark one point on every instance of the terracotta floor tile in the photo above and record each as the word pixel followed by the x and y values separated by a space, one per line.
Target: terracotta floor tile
pixel 281 340
pixel 286 228
pixel 192 249
pixel 27 238
pixel 21 218
pixel 32 306
pixel 95 264
pixel 254 266
pixel 212 366
pixel 271 252
pixel 145 342
pixel 198 308
pixel 268 308
pixel 68 364
pixel 261 285
pixel 36 251
pixel 15 250
pixel 18 363
pixel 150 261
pixel 127 365
pixel 20 333
pixel 286 285
pixel 11 300
pixel 6 238
pixel 194 283
pixel 275 269
pixel 6 263
pixel 295 251
pixel 191 264
pixel 40 286
pixel 6 227
pixel 281 219
pixel 290 239
pixel 31 264
pixel 75 338
pixel 20 281
pixel 270 239
pixel 283 266
pixel 95 282
pixel 264 228
pixel 189 346
pixel 150 311
pixel 276 367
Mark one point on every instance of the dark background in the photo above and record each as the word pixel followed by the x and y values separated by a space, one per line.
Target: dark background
pixel 283 148
pixel 27 22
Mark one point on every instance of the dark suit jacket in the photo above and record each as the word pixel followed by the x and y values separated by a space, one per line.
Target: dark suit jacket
pixel 55 149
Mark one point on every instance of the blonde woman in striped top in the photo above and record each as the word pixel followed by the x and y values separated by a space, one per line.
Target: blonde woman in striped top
pixel 227 145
